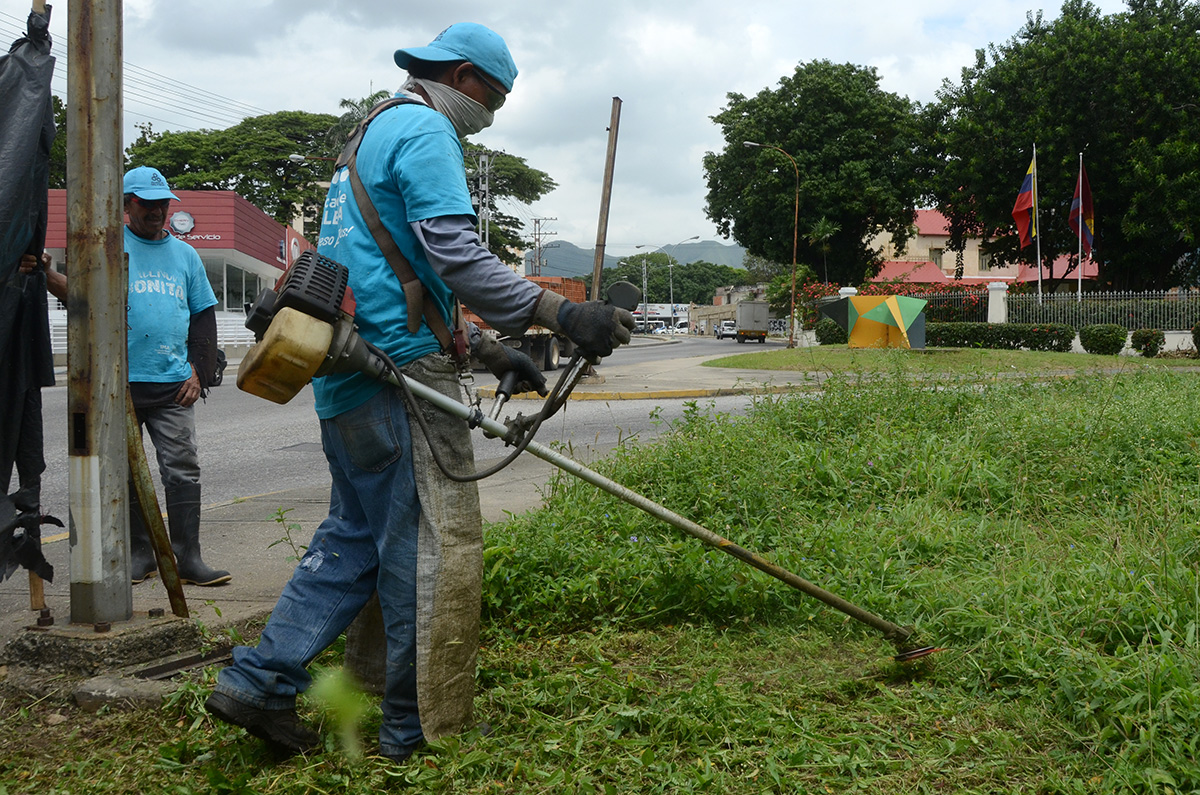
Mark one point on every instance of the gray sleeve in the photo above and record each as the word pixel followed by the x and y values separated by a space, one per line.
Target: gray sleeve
pixel 481 281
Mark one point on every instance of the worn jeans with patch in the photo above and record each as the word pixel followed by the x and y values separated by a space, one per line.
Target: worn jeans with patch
pixel 368 542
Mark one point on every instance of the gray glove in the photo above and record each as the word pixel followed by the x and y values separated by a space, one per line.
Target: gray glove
pixel 498 358
pixel 594 326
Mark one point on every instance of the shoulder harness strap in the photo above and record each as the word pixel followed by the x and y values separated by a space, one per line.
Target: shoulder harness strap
pixel 418 302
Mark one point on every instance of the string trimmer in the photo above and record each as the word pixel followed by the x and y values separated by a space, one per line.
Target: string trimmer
pixel 305 328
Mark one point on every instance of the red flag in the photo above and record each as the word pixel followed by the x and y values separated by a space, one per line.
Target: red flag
pixel 1081 207
pixel 1025 210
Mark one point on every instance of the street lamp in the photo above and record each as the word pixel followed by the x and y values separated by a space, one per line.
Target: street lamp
pixel 302 158
pixel 795 234
pixel 670 273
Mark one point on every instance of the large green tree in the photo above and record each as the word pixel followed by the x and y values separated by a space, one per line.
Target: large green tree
pixel 854 146
pixel 694 283
pixel 250 158
pixel 510 179
pixel 1122 89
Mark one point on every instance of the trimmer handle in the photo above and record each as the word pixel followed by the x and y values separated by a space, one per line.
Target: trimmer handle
pixel 508 382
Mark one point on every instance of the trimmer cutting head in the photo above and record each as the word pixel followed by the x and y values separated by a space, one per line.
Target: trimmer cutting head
pixel 909 655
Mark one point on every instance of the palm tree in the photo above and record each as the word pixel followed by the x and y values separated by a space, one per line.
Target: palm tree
pixel 819 236
pixel 355 110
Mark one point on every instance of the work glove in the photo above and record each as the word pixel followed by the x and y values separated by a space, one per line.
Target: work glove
pixel 594 326
pixel 499 359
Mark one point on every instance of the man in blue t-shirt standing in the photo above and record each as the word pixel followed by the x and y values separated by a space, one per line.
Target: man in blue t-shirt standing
pixel 397 527
pixel 172 336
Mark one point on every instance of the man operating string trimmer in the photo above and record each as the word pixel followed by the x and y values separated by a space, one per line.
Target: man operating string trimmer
pixel 399 216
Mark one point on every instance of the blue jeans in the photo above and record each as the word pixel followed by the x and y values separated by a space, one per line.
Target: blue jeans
pixel 367 543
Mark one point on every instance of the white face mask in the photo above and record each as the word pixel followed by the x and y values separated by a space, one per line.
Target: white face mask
pixel 467 115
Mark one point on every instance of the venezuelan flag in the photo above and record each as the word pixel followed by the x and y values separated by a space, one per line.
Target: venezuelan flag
pixel 1081 207
pixel 1025 210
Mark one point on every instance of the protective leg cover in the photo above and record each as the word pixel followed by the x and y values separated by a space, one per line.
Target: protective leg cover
pixel 449 569
pixel 449 560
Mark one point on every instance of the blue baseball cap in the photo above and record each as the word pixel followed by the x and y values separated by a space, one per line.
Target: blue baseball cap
pixel 466 41
pixel 147 183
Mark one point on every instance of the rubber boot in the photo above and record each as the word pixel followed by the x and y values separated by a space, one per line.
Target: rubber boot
pixel 183 516
pixel 141 555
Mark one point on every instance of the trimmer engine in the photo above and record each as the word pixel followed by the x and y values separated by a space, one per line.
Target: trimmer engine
pixel 305 328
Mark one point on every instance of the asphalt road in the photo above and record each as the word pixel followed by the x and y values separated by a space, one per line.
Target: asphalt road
pixel 249 446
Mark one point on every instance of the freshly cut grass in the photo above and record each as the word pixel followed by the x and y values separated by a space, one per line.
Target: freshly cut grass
pixel 1043 533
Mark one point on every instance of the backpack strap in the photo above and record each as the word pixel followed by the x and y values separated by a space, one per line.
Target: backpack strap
pixel 418 302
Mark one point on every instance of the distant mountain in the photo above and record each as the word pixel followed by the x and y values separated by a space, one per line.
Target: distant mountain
pixel 566 259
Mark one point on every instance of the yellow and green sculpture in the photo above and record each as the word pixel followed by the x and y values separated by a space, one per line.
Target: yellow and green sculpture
pixel 880 321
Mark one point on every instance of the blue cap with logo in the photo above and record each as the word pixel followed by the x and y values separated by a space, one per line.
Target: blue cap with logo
pixel 148 183
pixel 466 41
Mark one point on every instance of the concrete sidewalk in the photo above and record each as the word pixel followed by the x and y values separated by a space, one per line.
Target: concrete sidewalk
pixel 260 538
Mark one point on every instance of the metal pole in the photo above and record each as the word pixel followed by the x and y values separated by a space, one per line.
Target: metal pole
pixel 795 235
pixel 96 294
pixel 893 633
pixel 1079 262
pixel 645 305
pixel 1037 238
pixel 606 197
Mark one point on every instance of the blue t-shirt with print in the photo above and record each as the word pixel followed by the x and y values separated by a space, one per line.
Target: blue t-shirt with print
pixel 167 285
pixel 411 163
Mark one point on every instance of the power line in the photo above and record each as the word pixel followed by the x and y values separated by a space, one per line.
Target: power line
pixel 147 88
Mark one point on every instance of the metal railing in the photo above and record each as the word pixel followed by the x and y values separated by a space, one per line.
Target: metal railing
pixel 231 331
pixel 955 307
pixel 1166 311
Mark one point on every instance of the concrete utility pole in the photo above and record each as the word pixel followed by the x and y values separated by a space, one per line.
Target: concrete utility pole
pixel 538 248
pixel 482 195
pixel 101 589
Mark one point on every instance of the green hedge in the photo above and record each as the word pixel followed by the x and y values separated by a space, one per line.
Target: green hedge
pixel 1006 336
pixel 1106 339
pixel 1148 341
pixel 828 332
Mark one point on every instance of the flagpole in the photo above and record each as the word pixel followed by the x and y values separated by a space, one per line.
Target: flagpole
pixel 1037 239
pixel 1079 189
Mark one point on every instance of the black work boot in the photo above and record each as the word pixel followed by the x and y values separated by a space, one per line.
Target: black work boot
pixel 141 555
pixel 183 516
pixel 281 728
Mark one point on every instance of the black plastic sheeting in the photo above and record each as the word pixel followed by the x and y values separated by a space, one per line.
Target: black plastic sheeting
pixel 26 362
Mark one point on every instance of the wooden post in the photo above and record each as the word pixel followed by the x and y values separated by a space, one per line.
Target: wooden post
pixel 606 198
pixel 151 515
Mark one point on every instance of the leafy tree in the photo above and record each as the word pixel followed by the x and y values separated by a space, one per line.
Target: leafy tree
pixel 1121 89
pixel 762 269
pixel 695 283
pixel 353 111
pixel 510 178
pixel 58 149
pixel 854 146
pixel 250 158
pixel 819 236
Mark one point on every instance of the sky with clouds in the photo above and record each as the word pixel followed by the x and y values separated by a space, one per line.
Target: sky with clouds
pixel 671 62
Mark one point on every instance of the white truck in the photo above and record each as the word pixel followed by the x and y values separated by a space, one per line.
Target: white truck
pixel 752 321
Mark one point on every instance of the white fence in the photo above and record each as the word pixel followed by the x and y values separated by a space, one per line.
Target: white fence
pixel 231 331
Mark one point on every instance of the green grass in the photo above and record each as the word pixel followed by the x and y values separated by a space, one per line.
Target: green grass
pixel 938 361
pixel 1043 533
